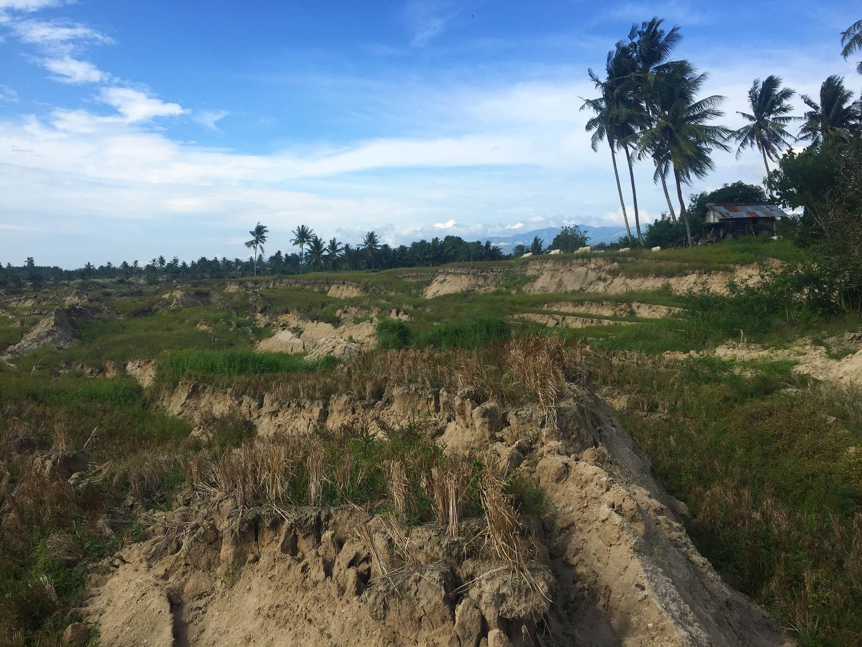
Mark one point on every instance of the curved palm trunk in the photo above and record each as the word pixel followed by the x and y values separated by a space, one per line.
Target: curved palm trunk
pixel 667 197
pixel 682 211
pixel 620 190
pixel 634 196
pixel 766 164
pixel 254 260
pixel 301 257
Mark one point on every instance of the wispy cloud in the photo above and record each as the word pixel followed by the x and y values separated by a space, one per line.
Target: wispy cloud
pixel 429 19
pixel 70 70
pixel 210 118
pixel 56 32
pixel 7 94
pixel 135 106
pixel 29 5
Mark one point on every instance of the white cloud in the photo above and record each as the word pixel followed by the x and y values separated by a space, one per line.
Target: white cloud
pixel 7 94
pixel 135 106
pixel 517 225
pixel 210 118
pixel 28 5
pixel 70 70
pixel 445 225
pixel 53 33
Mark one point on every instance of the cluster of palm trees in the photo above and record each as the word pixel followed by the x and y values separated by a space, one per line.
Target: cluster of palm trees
pixel 322 255
pixel 649 108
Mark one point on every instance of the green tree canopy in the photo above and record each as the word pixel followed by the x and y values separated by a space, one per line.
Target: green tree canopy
pixel 852 41
pixel 570 239
pixel 766 129
pixel 834 116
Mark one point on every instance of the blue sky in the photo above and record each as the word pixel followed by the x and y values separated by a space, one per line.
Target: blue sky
pixel 132 129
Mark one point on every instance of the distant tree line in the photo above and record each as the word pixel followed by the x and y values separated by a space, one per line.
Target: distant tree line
pixel 315 255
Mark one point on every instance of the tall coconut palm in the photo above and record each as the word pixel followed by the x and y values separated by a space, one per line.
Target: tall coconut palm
pixel 301 237
pixel 258 238
pixel 371 244
pixel 767 123
pixel 316 253
pixel 833 116
pixel 649 50
pixel 852 41
pixel 611 121
pixel 683 127
pixel 333 253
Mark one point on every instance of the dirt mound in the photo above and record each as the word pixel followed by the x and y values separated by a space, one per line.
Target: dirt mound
pixel 453 281
pixel 617 567
pixel 80 298
pixel 603 276
pixel 235 577
pixel 143 370
pixel 595 275
pixel 283 341
pixel 345 290
pixel 58 329
pixel 613 309
pixel 570 321
pixel 811 360
pixel 179 299
pixel 320 338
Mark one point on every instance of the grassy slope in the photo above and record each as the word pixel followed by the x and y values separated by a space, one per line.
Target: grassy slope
pixel 773 479
pixel 767 476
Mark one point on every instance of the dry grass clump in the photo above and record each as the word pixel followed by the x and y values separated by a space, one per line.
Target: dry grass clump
pixel 506 534
pixel 527 368
pixel 400 492
pixel 450 483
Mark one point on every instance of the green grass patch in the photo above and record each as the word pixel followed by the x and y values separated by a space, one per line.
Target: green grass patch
pixel 198 364
pixel 468 334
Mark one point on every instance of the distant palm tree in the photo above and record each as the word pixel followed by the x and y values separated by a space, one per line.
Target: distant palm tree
pixel 852 41
pixel 258 238
pixel 683 127
pixel 833 116
pixel 301 237
pixel 767 123
pixel 371 244
pixel 333 252
pixel 611 121
pixel 316 253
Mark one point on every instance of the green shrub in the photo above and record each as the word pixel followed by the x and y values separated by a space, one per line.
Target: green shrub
pixel 394 335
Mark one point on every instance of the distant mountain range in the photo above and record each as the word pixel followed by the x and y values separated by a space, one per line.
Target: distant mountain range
pixel 596 235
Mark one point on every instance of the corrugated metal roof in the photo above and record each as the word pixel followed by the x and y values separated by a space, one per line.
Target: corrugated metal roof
pixel 739 210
